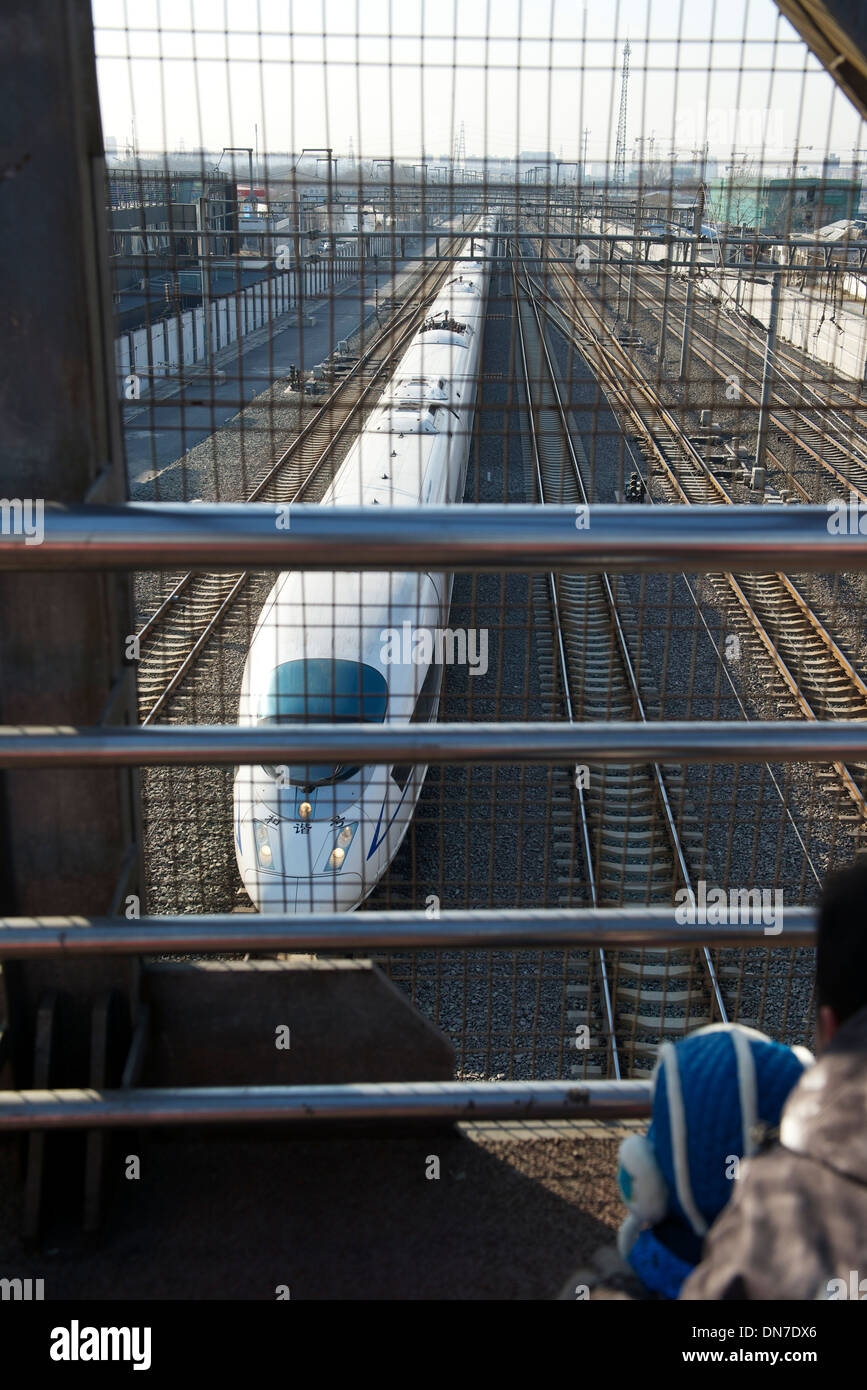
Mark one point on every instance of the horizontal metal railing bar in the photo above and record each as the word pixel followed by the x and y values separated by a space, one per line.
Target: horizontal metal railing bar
pixel 629 928
pixel 229 536
pixel 761 269
pixel 674 234
pixel 407 1101
pixel 348 248
pixel 189 745
pixel 749 269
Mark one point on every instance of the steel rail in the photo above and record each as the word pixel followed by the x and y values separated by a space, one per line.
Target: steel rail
pixel 798 440
pixel 789 367
pixel 677 433
pixel 790 682
pixel 617 627
pixel 586 846
pixel 643 470
pixel 687 446
pixel 753 618
pixel 682 869
pixel 785 361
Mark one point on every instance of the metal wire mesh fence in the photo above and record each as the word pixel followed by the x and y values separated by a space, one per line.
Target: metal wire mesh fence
pixel 523 253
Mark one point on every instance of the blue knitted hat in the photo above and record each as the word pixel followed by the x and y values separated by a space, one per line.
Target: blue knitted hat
pixel 711 1091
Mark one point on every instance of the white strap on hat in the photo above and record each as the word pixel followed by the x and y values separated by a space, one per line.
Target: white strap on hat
pixel 678 1140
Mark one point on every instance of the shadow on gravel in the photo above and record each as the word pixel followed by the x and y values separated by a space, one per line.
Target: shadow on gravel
pixel 350 1218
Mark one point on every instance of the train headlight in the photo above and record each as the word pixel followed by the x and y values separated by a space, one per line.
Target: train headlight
pixel 345 836
pixel 263 846
pixel 305 810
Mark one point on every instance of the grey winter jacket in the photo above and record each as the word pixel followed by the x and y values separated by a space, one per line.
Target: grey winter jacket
pixel 796 1225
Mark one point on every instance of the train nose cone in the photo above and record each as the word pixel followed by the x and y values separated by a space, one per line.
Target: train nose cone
pixel 335 893
pixel 317 870
pixel 272 892
pixel 282 893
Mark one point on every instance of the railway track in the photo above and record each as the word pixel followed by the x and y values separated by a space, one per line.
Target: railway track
pixel 176 635
pixel 632 848
pixel 835 451
pixel 812 677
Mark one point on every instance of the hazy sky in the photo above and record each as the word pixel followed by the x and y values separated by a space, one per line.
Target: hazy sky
pixel 396 76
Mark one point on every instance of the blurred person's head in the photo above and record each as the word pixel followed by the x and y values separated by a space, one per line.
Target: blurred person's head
pixel 841 949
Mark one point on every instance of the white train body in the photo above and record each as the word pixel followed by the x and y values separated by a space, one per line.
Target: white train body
pixel 343 646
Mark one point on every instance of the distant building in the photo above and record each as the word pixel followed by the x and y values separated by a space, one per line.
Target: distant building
pixel 148 237
pixel 783 205
pixel 254 205
pixel 844 244
pixel 804 204
pixel 157 220
pixel 737 201
pixel 664 172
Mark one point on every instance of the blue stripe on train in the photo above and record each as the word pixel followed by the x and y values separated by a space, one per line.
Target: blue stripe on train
pixel 377 838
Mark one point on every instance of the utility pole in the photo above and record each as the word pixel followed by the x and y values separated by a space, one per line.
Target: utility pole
pixel 687 311
pixel 325 154
pixel 759 472
pixel 461 152
pixel 636 226
pixel 663 327
pixel 205 273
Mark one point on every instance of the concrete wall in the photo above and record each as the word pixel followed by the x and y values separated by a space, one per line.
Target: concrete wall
pixel 179 341
pixel 855 285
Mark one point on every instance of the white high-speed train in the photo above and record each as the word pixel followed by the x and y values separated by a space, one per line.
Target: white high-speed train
pixel 337 646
